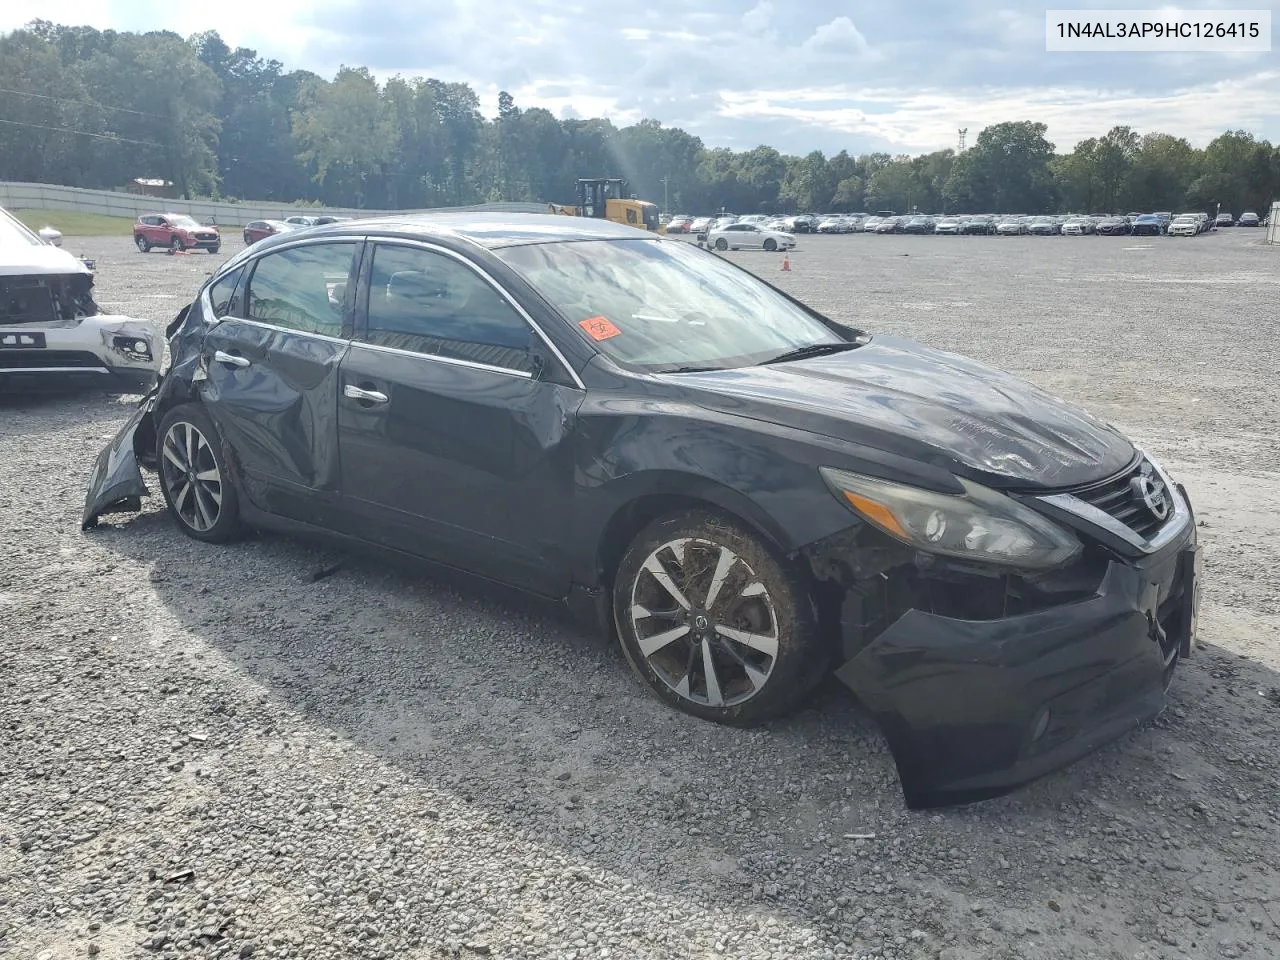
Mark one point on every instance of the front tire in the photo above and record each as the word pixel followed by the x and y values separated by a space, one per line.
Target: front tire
pixel 176 245
pixel 194 479
pixel 771 244
pixel 142 244
pixel 215 248
pixel 715 622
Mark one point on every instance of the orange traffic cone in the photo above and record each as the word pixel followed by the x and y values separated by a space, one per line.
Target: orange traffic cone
pixel 786 261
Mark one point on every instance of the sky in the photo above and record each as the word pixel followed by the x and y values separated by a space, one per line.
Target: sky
pixel 798 75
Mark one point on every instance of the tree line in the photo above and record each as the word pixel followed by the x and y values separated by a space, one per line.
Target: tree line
pixel 98 108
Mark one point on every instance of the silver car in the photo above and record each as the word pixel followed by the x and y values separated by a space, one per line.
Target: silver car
pixel 52 334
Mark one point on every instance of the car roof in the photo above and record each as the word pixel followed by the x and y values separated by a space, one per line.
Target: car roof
pixel 492 230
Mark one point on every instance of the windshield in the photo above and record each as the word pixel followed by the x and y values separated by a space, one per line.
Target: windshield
pixel 663 306
pixel 188 223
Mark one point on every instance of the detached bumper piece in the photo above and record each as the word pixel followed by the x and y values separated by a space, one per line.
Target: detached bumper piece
pixel 974 709
pixel 116 484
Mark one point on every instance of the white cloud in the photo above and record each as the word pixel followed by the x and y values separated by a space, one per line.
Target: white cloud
pixel 756 20
pixel 922 120
pixel 838 38
pixel 939 64
pixel 562 105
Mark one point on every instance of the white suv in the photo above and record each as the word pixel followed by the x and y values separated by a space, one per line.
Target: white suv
pixel 52 334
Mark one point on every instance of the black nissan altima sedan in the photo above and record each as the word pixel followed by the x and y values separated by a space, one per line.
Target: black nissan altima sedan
pixel 747 494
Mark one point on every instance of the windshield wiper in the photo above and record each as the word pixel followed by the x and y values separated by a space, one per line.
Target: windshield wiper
pixel 812 350
pixel 691 369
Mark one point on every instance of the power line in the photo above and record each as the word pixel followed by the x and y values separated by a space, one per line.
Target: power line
pixel 84 133
pixel 83 103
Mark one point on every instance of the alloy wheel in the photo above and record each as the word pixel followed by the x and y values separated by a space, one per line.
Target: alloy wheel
pixel 191 476
pixel 704 622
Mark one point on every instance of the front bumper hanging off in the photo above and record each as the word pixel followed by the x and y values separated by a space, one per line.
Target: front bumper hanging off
pixel 116 484
pixel 973 709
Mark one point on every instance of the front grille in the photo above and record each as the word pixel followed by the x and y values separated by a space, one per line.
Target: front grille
pixel 1115 497
pixel 206 236
pixel 27 359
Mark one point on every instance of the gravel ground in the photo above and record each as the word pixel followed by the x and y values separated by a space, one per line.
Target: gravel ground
pixel 212 752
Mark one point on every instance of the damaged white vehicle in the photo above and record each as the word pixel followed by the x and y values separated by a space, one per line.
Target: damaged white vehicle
pixel 52 334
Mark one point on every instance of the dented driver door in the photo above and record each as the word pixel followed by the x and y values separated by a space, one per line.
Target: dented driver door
pixel 451 424
pixel 270 377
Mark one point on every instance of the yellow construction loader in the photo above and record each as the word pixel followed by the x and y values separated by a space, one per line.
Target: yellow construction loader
pixel 607 199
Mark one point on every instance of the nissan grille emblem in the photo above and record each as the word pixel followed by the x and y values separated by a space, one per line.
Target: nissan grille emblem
pixel 1150 490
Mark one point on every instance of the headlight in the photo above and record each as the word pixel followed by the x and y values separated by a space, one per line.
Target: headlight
pixel 980 524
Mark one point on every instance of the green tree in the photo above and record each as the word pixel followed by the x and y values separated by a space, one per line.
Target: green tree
pixel 1007 169
pixel 343 128
pixel 761 170
pixel 1236 172
pixel 808 187
pixel 1077 176
pixel 96 108
pixel 161 96
pixel 1163 168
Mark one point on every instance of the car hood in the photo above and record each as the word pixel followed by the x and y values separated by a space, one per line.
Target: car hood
pixel 32 260
pixel 936 407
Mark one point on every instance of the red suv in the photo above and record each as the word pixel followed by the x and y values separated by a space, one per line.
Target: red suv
pixel 175 231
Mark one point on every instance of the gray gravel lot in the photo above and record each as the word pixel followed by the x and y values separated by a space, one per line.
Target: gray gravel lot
pixel 208 752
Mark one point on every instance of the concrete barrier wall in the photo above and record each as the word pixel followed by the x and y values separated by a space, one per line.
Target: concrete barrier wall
pixel 45 196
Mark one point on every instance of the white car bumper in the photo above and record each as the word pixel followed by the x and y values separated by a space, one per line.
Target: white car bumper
pixel 111 351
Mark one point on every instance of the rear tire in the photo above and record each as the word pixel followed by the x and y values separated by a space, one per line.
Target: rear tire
pixel 722 244
pixel 715 622
pixel 197 486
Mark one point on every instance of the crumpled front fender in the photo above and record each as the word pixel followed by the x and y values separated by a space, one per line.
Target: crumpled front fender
pixel 116 484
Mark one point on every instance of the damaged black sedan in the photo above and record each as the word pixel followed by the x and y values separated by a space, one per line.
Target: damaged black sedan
pixel 746 493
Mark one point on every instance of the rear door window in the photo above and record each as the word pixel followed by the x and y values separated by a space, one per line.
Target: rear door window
pixel 302 288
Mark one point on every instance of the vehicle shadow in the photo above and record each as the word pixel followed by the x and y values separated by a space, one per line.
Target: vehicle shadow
pixel 502 706
pixel 78 406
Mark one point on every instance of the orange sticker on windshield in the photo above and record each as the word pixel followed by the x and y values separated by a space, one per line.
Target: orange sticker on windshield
pixel 599 328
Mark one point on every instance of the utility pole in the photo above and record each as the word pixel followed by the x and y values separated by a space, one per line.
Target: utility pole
pixel 666 205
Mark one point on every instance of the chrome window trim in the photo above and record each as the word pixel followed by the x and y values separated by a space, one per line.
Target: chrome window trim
pixel 1100 518
pixel 523 374
pixel 292 330
pixel 206 302
pixel 246 257
pixel 6 370
pixel 497 287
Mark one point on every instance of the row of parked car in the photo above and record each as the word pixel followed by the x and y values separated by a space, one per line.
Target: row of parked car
pixel 256 230
pixel 1162 223
pixel 178 232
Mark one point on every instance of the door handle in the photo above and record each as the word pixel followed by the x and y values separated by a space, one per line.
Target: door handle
pixel 221 356
pixel 365 396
